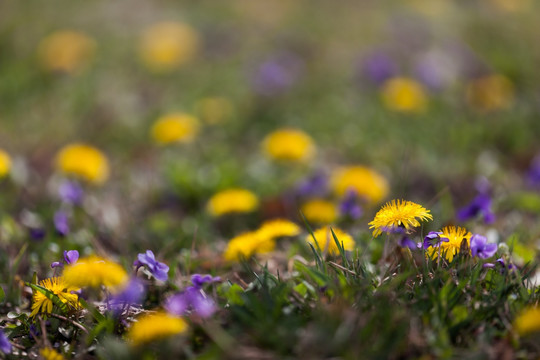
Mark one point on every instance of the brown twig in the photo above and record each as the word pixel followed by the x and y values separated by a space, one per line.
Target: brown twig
pixel 73 322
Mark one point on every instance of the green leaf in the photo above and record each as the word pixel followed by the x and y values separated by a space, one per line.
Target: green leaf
pixel 51 296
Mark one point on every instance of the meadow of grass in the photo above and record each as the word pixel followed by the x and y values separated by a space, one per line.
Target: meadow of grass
pixel 269 180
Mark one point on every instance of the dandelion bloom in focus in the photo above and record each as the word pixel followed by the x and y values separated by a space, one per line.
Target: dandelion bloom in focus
pixel 175 128
pixel 366 182
pixel 83 161
pixel 5 163
pixel 166 46
pixel 214 110
pixel 67 50
pixel 94 271
pixel 528 321
pixel 404 95
pixel 276 228
pixel 247 245
pixel 452 237
pixel 326 241
pixel 50 354
pixel 155 326
pixel 289 145
pixel 234 200
pixel 320 211
pixel 57 285
pixel 398 214
pixel 490 93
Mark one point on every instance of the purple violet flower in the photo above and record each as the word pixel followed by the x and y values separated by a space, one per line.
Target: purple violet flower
pixel 277 74
pixel 481 205
pixel 199 280
pixel 533 175
pixel 61 223
pixel 71 192
pixel 315 185
pixel 158 269
pixel 379 67
pixel 71 256
pixel 349 206
pixel 5 345
pixel 133 293
pixel 192 299
pixel 481 248
pixel 37 234
pixel 405 241
pixel 433 238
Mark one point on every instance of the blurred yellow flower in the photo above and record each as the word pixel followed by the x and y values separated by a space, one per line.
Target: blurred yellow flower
pixel 155 326
pixel 512 5
pixel 234 200
pixel 175 128
pixel 400 213
pixel 5 163
pixel 326 241
pixel 66 50
pixel 83 161
pixel 455 235
pixel 528 321
pixel 214 110
pixel 404 95
pixel 276 228
pixel 490 93
pixel 167 45
pixel 366 182
pixel 50 354
pixel 248 244
pixel 289 145
pixel 94 271
pixel 320 211
pixel 57 285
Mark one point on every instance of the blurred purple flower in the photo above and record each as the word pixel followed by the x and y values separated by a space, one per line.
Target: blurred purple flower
pixel 133 293
pixel 5 345
pixel 61 223
pixel 405 241
pixel 436 70
pixel 192 299
pixel 533 175
pixel 316 185
pixel 481 205
pixel 277 74
pixel 158 269
pixel 71 256
pixel 501 263
pixel 481 248
pixel 37 233
pixel 199 280
pixel 349 206
pixel 71 192
pixel 379 67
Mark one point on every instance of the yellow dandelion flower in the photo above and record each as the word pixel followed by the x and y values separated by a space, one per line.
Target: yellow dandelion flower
pixel 367 183
pixel 94 271
pixel 247 245
pixel 165 46
pixel 398 213
pixel 234 200
pixel 289 145
pixel 276 228
pixel 404 95
pixel 490 93
pixel 319 211
pixel 83 161
pixel 528 321
pixel 450 248
pixel 5 163
pixel 57 285
pixel 214 110
pixel 50 354
pixel 326 241
pixel 155 326
pixel 175 128
pixel 67 50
